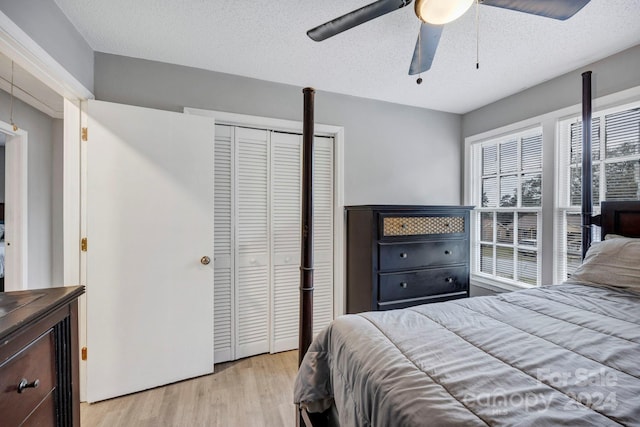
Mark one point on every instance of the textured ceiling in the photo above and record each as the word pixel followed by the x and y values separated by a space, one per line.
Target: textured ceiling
pixel 267 40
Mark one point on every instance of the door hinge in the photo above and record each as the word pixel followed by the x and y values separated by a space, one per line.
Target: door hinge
pixel 83 244
pixel 84 353
pixel 85 134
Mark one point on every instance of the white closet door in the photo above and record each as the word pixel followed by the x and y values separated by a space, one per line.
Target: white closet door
pixel 323 201
pixel 223 252
pixel 252 242
pixel 286 161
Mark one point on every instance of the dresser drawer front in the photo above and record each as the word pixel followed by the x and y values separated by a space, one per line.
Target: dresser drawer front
pixel 421 225
pixel 402 256
pixel 416 284
pixel 36 361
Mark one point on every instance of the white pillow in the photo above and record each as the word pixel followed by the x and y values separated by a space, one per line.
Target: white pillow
pixel 614 236
pixel 613 262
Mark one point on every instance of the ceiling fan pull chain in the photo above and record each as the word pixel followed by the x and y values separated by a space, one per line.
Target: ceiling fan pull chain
pixel 477 34
pixel 419 81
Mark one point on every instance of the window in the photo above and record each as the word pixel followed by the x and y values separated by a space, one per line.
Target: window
pixel 616 174
pixel 507 192
pixel 522 236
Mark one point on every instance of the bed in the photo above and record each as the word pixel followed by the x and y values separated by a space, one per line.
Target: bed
pixel 554 355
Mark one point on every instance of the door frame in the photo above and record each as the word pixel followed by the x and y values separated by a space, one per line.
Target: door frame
pixel 16 207
pixel 18 46
pixel 337 132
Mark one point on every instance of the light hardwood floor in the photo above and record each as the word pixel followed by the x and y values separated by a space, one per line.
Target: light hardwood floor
pixel 257 391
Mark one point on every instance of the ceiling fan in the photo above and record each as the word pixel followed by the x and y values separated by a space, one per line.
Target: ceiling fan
pixel 433 14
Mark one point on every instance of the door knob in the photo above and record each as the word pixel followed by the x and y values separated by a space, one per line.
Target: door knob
pixel 205 260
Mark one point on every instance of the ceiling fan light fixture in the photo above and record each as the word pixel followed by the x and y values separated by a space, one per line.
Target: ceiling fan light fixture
pixel 440 12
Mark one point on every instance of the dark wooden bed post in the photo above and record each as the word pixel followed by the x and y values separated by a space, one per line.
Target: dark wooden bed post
pixel 587 202
pixel 306 268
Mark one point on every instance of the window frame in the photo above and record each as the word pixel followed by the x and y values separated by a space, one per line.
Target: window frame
pixel 476 180
pixel 549 248
pixel 563 206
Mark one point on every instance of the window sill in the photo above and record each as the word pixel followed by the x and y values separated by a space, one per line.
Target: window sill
pixel 495 285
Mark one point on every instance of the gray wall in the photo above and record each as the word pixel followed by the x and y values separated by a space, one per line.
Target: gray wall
pixel 57 162
pixel 610 75
pixel 393 153
pixel 39 128
pixel 45 23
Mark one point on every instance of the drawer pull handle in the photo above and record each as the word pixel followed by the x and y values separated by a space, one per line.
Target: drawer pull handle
pixel 403 285
pixel 25 384
pixel 449 280
pixel 403 226
pixel 447 224
pixel 447 252
pixel 403 255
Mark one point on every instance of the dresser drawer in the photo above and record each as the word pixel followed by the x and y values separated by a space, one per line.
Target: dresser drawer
pixel 421 283
pixel 402 256
pixel 34 362
pixel 421 225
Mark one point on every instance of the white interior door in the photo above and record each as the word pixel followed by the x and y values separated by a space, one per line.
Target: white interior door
pixel 252 242
pixel 224 288
pixel 323 203
pixel 149 222
pixel 286 197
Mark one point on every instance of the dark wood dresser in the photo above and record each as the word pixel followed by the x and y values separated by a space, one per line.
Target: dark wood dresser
pixel 39 376
pixel 399 256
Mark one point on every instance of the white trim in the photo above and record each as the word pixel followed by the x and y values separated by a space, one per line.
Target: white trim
pixel 16 208
pixel 82 225
pixel 17 45
pixel 71 193
pixel 337 132
pixel 339 236
pixel 71 220
pixel 494 285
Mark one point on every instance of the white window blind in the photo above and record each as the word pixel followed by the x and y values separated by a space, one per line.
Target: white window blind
pixel 616 175
pixel 508 198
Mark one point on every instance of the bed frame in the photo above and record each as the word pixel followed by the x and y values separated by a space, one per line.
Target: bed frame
pixel 620 217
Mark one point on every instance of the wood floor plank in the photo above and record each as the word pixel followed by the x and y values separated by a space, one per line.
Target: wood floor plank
pixel 252 392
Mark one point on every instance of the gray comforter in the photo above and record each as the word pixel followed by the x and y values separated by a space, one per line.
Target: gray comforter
pixel 557 355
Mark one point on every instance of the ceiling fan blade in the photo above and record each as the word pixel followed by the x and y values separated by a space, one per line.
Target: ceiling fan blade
pixel 556 9
pixel 355 18
pixel 425 48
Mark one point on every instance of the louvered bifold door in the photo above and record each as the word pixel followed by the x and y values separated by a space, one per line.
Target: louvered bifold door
pixel 286 160
pixel 223 247
pixel 323 203
pixel 252 242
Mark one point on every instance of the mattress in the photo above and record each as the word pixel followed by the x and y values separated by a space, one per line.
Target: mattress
pixel 556 355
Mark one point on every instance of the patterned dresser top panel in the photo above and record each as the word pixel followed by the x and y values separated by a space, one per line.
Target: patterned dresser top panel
pixel 416 225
